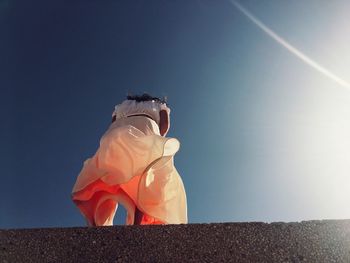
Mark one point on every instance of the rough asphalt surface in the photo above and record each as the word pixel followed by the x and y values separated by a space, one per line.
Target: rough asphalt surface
pixel 309 241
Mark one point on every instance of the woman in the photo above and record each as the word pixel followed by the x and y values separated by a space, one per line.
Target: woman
pixel 133 166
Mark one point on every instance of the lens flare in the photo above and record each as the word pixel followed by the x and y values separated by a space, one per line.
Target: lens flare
pixel 289 47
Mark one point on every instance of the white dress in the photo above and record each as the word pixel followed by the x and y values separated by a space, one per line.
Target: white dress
pixel 133 166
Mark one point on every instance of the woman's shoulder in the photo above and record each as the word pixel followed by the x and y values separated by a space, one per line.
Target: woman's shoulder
pixel 130 107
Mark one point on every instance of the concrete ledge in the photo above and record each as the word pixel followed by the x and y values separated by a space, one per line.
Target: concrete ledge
pixel 309 241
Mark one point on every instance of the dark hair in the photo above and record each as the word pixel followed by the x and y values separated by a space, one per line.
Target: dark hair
pixel 146 97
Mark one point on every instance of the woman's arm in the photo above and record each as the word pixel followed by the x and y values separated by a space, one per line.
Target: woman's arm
pixel 164 123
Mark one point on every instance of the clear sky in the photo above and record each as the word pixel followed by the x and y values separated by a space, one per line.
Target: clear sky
pixel 264 136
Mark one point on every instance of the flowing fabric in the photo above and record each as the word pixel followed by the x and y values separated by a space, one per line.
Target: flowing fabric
pixel 134 167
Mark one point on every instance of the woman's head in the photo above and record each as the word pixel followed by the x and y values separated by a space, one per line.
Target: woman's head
pixel 146 97
pixel 145 104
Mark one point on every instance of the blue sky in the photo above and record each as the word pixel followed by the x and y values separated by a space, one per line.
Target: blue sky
pixel 264 137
